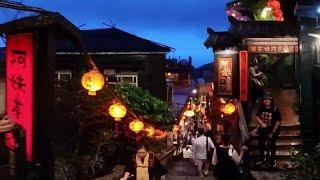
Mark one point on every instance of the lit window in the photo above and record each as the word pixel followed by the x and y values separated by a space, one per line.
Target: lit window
pixel 123 78
pixel 63 75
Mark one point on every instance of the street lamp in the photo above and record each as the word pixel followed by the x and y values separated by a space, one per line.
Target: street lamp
pixel 194 91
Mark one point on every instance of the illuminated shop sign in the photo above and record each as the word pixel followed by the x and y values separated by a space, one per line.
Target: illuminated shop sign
pixel 19 85
pixel 273 48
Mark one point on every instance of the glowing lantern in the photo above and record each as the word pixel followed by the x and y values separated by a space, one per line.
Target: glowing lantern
pixel 117 111
pixel 150 130
pixel 188 113
pixel 136 126
pixel 229 108
pixel 92 81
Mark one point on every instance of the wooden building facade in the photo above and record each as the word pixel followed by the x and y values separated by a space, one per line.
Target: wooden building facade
pixel 121 56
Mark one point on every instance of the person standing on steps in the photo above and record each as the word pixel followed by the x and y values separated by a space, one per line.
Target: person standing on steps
pixel 269 119
pixel 200 148
pixel 144 166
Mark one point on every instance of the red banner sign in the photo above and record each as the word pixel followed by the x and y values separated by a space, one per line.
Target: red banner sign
pixel 243 75
pixel 252 48
pixel 19 84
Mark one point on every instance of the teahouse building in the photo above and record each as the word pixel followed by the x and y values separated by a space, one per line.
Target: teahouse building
pixel 268 48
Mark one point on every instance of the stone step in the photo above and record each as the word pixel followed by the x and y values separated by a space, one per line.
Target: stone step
pixel 282 164
pixel 284 134
pixel 280 154
pixel 284 127
pixel 290 143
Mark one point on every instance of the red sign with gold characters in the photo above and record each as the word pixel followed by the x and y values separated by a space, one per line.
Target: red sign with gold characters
pixel 19 84
pixel 243 75
pixel 290 48
pixel 225 84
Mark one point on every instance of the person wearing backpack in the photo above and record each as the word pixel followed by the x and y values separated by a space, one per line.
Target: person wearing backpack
pixel 226 160
pixel 269 119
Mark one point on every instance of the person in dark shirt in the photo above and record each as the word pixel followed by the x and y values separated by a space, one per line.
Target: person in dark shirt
pixel 269 118
pixel 144 166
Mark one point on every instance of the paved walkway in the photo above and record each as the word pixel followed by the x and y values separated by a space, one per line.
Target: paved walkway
pixel 182 169
pixel 180 97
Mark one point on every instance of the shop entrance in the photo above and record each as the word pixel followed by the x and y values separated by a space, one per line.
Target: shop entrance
pixel 272 68
pixel 272 64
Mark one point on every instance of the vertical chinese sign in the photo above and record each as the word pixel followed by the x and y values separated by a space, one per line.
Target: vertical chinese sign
pixel 225 84
pixel 243 76
pixel 19 84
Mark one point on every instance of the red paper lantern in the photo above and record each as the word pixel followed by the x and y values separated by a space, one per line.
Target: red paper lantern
pixel 278 13
pixel 275 5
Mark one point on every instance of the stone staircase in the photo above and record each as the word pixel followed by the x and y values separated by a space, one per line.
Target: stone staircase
pixel 289 142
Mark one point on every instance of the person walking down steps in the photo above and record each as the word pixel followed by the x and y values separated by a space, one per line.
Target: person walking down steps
pixel 200 149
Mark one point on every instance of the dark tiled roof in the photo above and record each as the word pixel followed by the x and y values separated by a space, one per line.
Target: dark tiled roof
pixel 309 2
pixel 113 40
pixel 225 39
pixel 263 29
pixel 222 40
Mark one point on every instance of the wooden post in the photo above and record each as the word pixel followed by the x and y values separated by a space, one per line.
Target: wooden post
pixel 42 31
pixel 44 99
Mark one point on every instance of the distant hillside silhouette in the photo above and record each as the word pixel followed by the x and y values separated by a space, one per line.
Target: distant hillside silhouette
pixel 206 72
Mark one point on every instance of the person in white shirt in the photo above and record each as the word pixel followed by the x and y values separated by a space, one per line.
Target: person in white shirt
pixel 200 147
pixel 226 159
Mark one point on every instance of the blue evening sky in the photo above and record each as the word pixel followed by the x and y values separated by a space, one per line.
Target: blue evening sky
pixel 180 24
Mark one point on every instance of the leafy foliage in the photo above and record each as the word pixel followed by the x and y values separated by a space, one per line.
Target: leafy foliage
pixel 256 7
pixel 84 128
pixel 153 110
pixel 307 164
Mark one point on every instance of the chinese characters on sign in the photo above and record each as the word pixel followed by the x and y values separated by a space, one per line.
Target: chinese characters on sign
pixel 243 76
pixel 225 76
pixel 252 48
pixel 19 84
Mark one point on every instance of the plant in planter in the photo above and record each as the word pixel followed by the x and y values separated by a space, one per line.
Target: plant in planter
pixel 307 165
